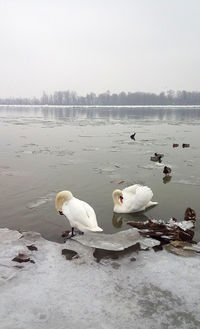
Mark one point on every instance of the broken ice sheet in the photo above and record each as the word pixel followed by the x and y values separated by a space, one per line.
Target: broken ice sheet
pixel 117 241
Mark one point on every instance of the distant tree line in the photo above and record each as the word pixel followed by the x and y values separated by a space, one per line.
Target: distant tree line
pixel 130 98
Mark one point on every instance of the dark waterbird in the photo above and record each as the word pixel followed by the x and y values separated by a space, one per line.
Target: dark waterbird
pixel 190 214
pixel 157 157
pixel 185 145
pixel 133 136
pixel 166 170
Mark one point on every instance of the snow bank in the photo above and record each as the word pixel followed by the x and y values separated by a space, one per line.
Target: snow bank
pixel 157 290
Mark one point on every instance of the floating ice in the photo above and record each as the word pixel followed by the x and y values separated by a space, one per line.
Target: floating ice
pixel 91 149
pixel 41 201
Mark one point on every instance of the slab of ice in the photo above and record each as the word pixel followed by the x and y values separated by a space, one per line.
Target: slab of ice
pixel 117 241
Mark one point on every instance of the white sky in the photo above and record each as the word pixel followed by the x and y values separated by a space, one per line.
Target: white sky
pixel 98 45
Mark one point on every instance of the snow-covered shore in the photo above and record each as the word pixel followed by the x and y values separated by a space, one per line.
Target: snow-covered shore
pixel 157 290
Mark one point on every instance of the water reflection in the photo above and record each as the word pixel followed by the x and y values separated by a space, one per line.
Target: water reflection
pixel 167 179
pixel 62 113
pixel 119 219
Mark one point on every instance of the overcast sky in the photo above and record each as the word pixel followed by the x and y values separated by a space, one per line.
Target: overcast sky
pixel 98 45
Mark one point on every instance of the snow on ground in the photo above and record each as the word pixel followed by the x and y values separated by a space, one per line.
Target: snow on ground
pixel 157 290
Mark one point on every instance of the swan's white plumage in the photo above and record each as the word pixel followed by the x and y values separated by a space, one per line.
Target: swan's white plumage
pixel 79 213
pixel 135 198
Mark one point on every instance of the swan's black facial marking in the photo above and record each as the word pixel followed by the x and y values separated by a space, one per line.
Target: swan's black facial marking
pixel 121 199
pixel 60 213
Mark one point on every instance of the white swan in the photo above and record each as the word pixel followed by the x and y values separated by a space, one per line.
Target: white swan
pixel 132 199
pixel 79 213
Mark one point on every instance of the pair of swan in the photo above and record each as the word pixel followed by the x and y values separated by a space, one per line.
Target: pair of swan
pixel 81 215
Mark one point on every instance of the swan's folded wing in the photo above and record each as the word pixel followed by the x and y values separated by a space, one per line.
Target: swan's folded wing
pixel 131 189
pixel 89 211
pixel 80 212
pixel 142 197
pixel 92 216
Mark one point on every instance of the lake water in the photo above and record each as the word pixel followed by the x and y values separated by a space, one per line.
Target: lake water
pixel 89 151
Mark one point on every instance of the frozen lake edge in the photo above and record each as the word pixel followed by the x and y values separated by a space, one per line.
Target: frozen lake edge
pixel 158 290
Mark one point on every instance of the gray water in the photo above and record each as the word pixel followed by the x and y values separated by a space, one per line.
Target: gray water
pixel 89 151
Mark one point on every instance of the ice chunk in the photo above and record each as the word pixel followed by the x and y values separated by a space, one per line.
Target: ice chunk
pixel 148 243
pixel 8 235
pixel 117 241
pixel 42 200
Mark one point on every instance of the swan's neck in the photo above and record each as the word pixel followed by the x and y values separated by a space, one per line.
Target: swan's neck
pixel 116 199
pixel 61 198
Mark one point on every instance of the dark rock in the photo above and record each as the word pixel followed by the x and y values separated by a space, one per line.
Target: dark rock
pixel 132 259
pixel 115 265
pixel 158 248
pixel 32 247
pixel 70 254
pixel 21 259
pixel 185 145
pixel 175 145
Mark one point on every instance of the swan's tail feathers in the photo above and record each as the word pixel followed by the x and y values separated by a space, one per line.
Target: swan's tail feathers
pixel 151 204
pixel 96 229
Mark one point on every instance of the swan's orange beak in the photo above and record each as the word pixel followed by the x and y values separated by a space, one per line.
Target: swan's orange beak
pixel 121 199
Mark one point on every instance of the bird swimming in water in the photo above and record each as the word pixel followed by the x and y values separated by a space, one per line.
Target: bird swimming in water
pixel 190 214
pixel 133 136
pixel 134 198
pixel 157 157
pixel 166 170
pixel 79 213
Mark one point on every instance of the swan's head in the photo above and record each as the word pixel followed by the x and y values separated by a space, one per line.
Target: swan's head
pixel 117 197
pixel 62 197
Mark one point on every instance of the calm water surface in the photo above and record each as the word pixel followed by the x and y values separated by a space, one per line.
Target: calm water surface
pixel 89 151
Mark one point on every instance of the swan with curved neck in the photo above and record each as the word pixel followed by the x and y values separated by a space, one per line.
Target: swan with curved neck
pixel 79 213
pixel 134 198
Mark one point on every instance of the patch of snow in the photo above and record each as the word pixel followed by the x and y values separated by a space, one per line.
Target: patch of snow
pixel 157 290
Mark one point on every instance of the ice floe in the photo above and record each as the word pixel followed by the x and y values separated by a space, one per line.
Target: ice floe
pixel 40 201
